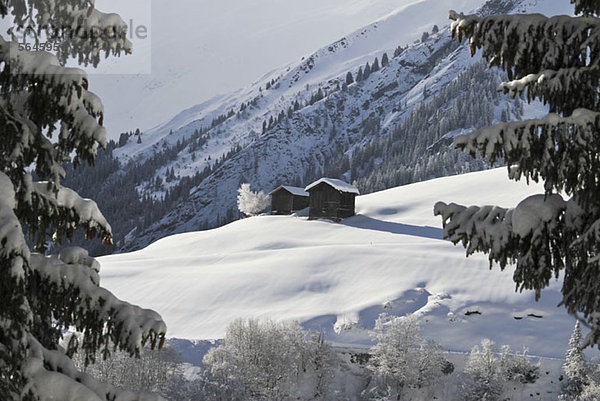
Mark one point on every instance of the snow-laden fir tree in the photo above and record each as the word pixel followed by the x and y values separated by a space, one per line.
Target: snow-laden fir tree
pixel 48 117
pixel 556 60
pixel 251 203
pixel 575 366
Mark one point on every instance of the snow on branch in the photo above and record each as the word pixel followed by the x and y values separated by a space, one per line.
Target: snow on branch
pixel 82 31
pixel 70 211
pixel 525 44
pixel 95 31
pixel 586 7
pixel 530 42
pixel 13 242
pixel 40 79
pixel 485 229
pixel 105 320
pixel 53 376
pixel 560 150
pixel 526 235
pixel 576 87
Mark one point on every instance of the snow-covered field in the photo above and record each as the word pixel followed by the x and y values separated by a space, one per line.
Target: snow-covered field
pixel 338 277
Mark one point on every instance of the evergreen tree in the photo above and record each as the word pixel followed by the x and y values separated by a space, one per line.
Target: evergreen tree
pixel 435 29
pixel 375 66
pixel 575 366
pixel 367 71
pixel 398 51
pixel 384 60
pixel 320 95
pixel 41 296
pixel 544 234
pixel 359 75
pixel 349 78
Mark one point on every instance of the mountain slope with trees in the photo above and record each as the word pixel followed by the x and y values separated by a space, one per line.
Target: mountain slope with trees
pixel 378 119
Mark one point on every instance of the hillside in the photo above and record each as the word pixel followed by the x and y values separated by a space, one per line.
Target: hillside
pixel 201 49
pixel 321 116
pixel 339 277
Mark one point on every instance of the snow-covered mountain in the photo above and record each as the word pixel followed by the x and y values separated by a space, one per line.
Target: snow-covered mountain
pixel 337 277
pixel 313 118
pixel 197 49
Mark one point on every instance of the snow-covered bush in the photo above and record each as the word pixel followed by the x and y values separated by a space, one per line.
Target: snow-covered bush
pixel 489 377
pixel 402 360
pixel 251 203
pixel 482 376
pixel 516 367
pixel 49 117
pixel 264 360
pixel 555 60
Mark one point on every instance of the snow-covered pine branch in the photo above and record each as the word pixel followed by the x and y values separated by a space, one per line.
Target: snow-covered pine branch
pixel 65 209
pixel 527 235
pixel 53 375
pixel 586 7
pixel 48 117
pixel 70 284
pixel 556 60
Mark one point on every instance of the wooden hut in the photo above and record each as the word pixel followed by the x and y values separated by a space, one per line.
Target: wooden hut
pixel 331 198
pixel 286 199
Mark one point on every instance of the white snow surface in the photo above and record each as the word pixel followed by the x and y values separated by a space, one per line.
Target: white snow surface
pixel 335 183
pixel 293 190
pixel 338 277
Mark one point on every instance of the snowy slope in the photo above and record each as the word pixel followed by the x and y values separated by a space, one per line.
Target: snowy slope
pixel 339 277
pixel 301 141
pixel 399 28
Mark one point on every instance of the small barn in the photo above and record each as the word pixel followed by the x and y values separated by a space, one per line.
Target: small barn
pixel 331 198
pixel 286 199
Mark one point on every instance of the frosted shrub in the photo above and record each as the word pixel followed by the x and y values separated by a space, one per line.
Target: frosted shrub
pixel 251 203
pixel 151 372
pixel 489 377
pixel 482 381
pixel 268 361
pixel 402 360
pixel 516 367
